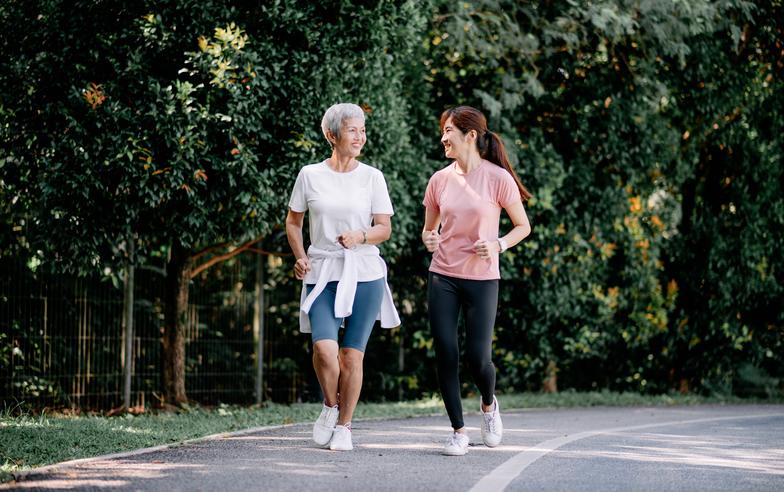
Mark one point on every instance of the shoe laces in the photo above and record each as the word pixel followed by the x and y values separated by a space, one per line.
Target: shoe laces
pixel 490 422
pixel 454 440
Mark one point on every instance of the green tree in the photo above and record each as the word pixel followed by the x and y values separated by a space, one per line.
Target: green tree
pixel 148 123
pixel 609 110
pixel 649 132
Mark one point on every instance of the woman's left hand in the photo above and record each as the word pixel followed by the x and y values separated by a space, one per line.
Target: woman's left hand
pixel 485 249
pixel 349 239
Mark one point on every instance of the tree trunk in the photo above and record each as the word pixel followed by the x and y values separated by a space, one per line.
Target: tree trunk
pixel 550 383
pixel 178 277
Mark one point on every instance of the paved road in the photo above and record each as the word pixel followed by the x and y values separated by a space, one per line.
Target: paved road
pixel 732 448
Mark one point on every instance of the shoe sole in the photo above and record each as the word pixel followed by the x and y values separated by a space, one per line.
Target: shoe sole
pixel 454 454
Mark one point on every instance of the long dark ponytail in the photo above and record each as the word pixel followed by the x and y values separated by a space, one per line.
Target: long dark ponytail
pixel 489 144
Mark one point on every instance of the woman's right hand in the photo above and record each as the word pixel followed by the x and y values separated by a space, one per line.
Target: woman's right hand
pixel 301 267
pixel 431 240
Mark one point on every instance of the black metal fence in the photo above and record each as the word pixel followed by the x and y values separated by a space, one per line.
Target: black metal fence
pixel 61 337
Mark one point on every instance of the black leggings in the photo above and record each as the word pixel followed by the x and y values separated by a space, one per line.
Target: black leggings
pixel 478 299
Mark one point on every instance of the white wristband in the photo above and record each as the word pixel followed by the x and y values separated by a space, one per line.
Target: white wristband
pixel 502 244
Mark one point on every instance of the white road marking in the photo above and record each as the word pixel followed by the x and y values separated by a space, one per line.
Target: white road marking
pixel 498 479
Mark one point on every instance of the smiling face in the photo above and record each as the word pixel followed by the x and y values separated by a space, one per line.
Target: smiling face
pixel 352 137
pixel 455 142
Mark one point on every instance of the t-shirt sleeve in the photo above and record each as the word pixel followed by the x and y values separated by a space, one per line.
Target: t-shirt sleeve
pixel 380 203
pixel 299 201
pixel 431 194
pixel 508 192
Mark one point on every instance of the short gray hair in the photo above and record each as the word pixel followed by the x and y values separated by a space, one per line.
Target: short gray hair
pixel 335 116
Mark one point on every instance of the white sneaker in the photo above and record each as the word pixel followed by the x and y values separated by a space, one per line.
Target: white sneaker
pixel 492 427
pixel 341 439
pixel 456 445
pixel 325 425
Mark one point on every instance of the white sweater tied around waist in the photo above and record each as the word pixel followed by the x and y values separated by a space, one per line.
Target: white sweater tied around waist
pixel 343 261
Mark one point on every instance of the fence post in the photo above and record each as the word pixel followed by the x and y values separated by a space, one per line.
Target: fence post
pixel 128 326
pixel 258 327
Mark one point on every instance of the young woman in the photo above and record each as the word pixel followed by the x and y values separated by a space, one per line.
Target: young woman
pixel 343 274
pixel 465 199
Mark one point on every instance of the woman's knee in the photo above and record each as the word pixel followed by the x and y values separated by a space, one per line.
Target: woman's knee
pixel 478 361
pixel 351 360
pixel 325 352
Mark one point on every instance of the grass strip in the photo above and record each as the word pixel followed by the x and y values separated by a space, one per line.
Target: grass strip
pixel 28 441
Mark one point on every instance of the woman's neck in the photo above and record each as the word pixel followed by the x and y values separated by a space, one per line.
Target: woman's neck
pixel 341 163
pixel 469 162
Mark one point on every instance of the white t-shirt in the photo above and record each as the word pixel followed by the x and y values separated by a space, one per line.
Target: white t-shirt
pixel 339 202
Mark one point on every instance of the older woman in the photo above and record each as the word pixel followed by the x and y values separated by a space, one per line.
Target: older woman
pixel 344 277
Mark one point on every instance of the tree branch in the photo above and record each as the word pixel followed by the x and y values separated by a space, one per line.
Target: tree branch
pixel 208 249
pixel 267 253
pixel 217 259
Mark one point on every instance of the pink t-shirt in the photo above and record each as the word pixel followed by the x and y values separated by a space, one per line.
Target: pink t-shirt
pixel 470 208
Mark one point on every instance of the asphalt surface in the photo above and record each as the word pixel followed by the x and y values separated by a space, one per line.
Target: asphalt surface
pixel 716 448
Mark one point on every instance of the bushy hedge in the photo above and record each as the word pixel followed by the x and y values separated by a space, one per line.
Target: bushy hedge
pixel 186 121
pixel 649 133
